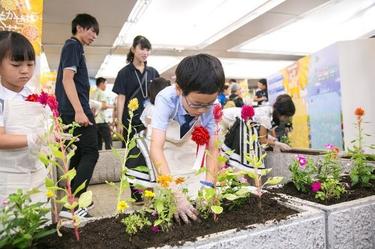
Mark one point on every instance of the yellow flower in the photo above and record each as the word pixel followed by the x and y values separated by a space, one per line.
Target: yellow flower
pixel 149 194
pixel 50 194
pixel 121 206
pixel 164 181
pixel 133 104
pixel 179 180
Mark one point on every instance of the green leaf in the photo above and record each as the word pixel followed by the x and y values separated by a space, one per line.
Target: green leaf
pixel 44 234
pixel 230 197
pixel 131 145
pixel 62 200
pixel 142 169
pixel 70 174
pixel 242 191
pixel 80 187
pixel 217 209
pixel 85 199
pixel 264 172
pixel 252 174
pixel 274 180
pixel 49 183
pixel 71 206
pixel 354 179
pixel 133 156
pixel 159 206
pixel 158 222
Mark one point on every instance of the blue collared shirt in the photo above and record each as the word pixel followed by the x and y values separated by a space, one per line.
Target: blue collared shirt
pixel 168 105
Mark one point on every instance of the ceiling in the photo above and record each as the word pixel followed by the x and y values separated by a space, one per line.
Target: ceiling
pixel 111 15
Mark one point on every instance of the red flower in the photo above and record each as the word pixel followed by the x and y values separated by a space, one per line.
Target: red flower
pixel 247 112
pixel 53 104
pixel 32 98
pixel 359 112
pixel 218 112
pixel 200 135
pixel 42 98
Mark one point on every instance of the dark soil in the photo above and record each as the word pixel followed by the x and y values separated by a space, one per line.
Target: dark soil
pixel 353 193
pixel 110 232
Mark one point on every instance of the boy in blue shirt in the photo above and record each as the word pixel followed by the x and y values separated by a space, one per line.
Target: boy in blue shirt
pixel 179 108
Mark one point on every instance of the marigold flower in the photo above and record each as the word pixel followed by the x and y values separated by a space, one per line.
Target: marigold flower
pixel 165 180
pixel 316 186
pixel 149 194
pixel 50 194
pixel 247 112
pixel 133 104
pixel 122 206
pixel 359 112
pixel 179 180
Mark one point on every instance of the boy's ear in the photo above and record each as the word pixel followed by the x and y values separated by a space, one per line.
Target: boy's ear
pixel 178 90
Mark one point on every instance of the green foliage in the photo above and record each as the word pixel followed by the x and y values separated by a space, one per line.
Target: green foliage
pixel 164 205
pixel 302 176
pixel 330 188
pixel 22 222
pixel 330 166
pixel 135 222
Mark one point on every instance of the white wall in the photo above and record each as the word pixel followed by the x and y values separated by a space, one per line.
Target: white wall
pixel 357 72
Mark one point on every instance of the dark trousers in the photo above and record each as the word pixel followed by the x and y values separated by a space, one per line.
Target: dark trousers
pixel 104 134
pixel 86 154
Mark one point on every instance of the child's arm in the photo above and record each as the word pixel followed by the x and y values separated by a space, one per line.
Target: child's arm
pixel 212 162
pixel 8 141
pixel 71 92
pixel 157 152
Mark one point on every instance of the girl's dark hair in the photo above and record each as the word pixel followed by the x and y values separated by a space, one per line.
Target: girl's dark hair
pixel 202 73
pixel 263 82
pixel 86 21
pixel 156 86
pixel 138 40
pixel 15 46
pixel 283 106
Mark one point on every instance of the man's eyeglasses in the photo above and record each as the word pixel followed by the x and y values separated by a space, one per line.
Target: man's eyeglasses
pixel 198 106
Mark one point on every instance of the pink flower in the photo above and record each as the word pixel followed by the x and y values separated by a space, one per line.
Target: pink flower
pixel 329 146
pixel 316 186
pixel 302 161
pixel 218 113
pixel 42 98
pixel 155 229
pixel 247 112
pixel 53 104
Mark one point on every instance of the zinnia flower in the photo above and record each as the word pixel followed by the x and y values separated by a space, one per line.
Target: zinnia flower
pixel 122 206
pixel 179 180
pixel 302 161
pixel 247 112
pixel 149 194
pixel 165 180
pixel 133 104
pixel 316 186
pixel 359 112
pixel 32 98
pixel 200 135
pixel 218 112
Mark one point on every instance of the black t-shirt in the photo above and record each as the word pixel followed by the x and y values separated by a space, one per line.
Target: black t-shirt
pixel 127 83
pixel 261 93
pixel 73 55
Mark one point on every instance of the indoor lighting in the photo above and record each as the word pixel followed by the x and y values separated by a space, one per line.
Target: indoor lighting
pixel 321 27
pixel 189 24
pixel 114 63
pixel 251 69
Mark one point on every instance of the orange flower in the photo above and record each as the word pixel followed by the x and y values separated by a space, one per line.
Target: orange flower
pixel 359 112
pixel 179 180
pixel 164 181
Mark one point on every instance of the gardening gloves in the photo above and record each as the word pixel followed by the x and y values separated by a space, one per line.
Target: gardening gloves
pixel 184 209
pixel 281 147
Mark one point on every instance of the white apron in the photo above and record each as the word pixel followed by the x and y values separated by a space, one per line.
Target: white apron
pixel 19 169
pixel 180 154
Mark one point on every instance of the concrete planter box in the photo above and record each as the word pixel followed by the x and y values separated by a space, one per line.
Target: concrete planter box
pixel 349 225
pixel 279 162
pixel 304 230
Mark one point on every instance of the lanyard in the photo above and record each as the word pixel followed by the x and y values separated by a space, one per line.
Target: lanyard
pixel 144 79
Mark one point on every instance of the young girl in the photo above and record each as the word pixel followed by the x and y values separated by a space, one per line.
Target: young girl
pixel 22 123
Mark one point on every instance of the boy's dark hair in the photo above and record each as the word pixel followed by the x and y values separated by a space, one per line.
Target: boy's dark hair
pixel 100 80
pixel 263 81
pixel 283 106
pixel 15 46
pixel 138 40
pixel 156 86
pixel 232 81
pixel 202 73
pixel 86 21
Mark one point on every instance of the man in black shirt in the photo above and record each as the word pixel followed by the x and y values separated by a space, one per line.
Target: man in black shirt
pixel 72 93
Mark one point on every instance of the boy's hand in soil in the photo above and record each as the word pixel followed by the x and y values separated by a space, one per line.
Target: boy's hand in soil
pixel 184 208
